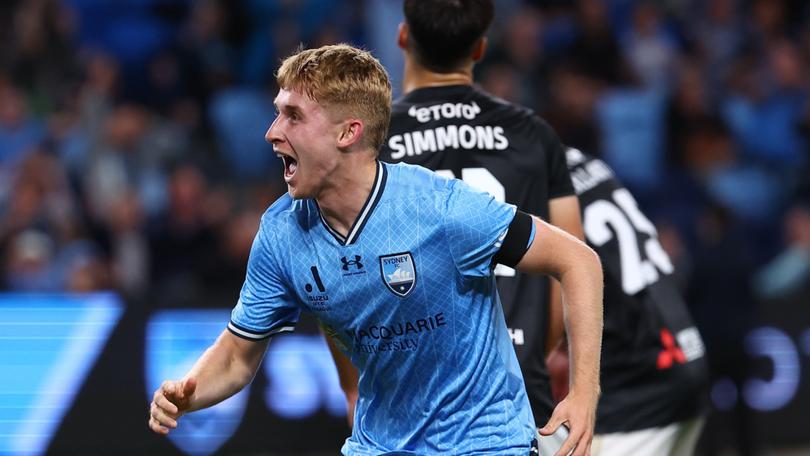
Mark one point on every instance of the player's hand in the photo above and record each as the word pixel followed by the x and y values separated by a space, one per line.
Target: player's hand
pixel 169 402
pixel 578 411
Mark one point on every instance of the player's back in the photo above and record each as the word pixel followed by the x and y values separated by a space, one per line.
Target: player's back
pixel 509 152
pixel 653 368
pixel 493 145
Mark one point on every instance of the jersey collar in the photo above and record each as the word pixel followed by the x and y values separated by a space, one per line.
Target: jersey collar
pixel 365 212
pixel 434 93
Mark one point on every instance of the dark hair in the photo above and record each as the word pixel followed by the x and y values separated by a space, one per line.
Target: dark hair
pixel 442 33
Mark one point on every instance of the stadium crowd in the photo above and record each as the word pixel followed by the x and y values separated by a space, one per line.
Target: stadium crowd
pixel 132 153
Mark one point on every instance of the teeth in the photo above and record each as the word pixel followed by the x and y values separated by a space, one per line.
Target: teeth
pixel 290 164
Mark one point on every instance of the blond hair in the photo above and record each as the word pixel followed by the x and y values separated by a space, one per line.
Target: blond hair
pixel 345 78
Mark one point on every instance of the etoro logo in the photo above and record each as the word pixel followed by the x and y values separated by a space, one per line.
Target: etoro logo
pixel 445 111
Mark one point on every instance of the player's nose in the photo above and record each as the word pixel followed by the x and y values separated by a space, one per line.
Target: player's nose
pixel 273 135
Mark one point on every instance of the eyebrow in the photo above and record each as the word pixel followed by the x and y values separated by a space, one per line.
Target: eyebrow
pixel 289 108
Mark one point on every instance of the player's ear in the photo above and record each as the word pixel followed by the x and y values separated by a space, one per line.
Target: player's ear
pixel 402 36
pixel 479 49
pixel 350 133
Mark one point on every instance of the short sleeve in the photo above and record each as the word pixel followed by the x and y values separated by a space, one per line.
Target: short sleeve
pixel 475 225
pixel 265 305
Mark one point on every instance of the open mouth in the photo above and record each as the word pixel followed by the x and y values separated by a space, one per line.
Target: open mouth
pixel 290 165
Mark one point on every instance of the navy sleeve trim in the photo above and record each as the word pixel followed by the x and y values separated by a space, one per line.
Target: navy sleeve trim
pixel 516 242
pixel 249 334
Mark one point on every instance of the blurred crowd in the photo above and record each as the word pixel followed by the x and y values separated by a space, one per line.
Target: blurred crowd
pixel 132 154
pixel 131 132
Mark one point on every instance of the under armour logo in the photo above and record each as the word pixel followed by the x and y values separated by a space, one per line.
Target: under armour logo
pixel 355 262
pixel 671 352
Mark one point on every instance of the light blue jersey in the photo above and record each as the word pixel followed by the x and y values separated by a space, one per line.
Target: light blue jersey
pixel 410 297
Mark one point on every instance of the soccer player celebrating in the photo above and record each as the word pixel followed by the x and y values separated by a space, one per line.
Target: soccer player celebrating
pixel 654 374
pixel 446 124
pixel 396 262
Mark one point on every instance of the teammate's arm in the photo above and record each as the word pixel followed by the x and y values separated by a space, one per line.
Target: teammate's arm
pixel 348 376
pixel 579 271
pixel 563 213
pixel 222 371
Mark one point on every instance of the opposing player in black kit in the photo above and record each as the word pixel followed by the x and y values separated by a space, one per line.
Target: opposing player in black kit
pixel 654 374
pixel 446 124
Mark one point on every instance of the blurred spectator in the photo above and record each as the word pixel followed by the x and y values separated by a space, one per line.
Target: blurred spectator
pixel 689 112
pixel 240 118
pixel 278 26
pixel 804 41
pixel 181 242
pixel 631 124
pixel 502 80
pixel 41 199
pixel 224 279
pixel 765 112
pixel 20 133
pixel 789 272
pixel 28 262
pixel 42 59
pixel 209 55
pixel 520 58
pixel 767 22
pixel 130 31
pixel 82 268
pixel 596 51
pixel 719 37
pixel 571 111
pixel 649 48
pixel 132 154
pixel 165 84
pixel 129 247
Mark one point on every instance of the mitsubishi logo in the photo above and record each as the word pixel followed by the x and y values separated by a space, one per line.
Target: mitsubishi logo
pixel 671 353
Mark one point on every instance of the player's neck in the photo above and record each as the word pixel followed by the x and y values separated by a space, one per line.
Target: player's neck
pixel 342 199
pixel 417 77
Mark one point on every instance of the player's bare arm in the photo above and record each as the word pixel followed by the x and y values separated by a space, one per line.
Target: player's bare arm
pixel 563 213
pixel 579 270
pixel 222 371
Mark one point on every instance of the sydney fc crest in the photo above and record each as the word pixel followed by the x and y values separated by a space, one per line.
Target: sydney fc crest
pixel 398 273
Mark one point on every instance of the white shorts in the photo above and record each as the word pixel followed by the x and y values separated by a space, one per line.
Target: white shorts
pixel 676 439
